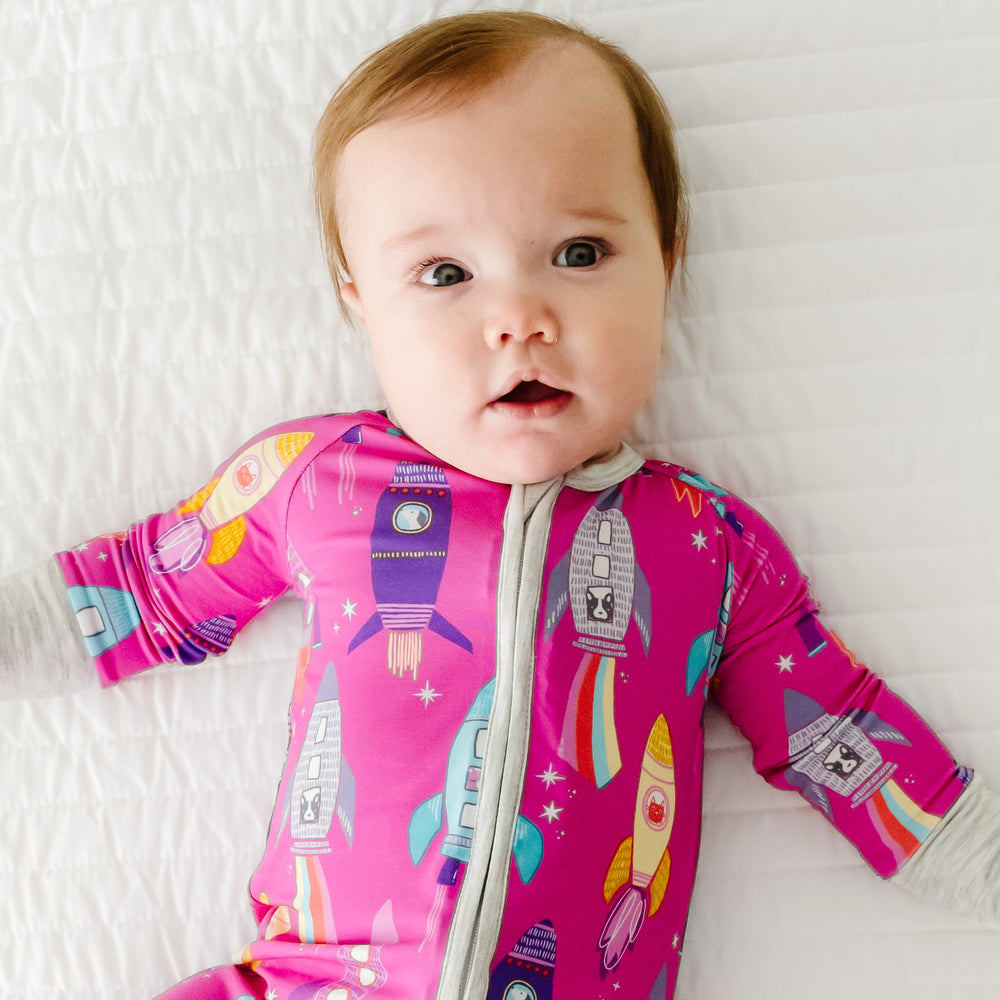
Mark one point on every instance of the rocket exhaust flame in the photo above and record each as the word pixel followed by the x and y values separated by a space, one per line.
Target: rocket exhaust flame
pixel 622 926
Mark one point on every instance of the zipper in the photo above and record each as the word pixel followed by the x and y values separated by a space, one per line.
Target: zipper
pixel 479 909
pixel 475 926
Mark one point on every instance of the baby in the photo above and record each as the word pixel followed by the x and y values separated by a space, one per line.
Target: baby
pixel 502 209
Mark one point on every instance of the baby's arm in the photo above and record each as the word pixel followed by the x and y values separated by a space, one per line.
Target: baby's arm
pixel 822 723
pixel 42 654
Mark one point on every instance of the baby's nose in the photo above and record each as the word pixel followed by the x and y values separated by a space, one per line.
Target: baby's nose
pixel 520 318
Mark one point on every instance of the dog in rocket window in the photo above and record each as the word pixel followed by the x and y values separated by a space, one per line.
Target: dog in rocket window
pixel 831 754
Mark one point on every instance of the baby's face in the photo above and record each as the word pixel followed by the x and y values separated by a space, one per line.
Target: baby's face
pixel 505 259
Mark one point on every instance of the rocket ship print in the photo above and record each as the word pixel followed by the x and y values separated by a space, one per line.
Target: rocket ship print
pixel 456 807
pixel 322 786
pixel 323 783
pixel 642 862
pixel 601 582
pixel 457 804
pixel 835 754
pixel 527 971
pixel 409 548
pixel 217 512
pixel 605 590
pixel 831 754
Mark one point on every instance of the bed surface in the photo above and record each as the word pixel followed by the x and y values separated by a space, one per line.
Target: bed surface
pixel 834 358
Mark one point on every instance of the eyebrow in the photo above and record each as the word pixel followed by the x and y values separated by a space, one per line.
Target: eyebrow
pixel 403 241
pixel 598 214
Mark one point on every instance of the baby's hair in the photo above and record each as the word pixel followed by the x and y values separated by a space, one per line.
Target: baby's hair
pixel 438 65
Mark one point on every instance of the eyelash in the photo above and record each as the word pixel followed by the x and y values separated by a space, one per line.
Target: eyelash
pixel 426 265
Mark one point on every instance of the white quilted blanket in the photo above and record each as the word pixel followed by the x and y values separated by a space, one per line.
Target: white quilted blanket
pixel 835 358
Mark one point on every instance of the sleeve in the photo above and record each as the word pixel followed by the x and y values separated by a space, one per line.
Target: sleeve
pixel 819 721
pixel 41 655
pixel 181 585
pixel 958 866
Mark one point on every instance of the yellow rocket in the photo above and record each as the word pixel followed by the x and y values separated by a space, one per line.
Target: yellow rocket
pixel 220 506
pixel 642 861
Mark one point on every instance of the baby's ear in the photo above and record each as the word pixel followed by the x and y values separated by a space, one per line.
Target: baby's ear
pixel 351 298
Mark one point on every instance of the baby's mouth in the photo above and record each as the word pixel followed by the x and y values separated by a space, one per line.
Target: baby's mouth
pixel 531 392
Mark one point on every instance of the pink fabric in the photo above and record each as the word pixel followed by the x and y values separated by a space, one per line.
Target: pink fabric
pixel 655 592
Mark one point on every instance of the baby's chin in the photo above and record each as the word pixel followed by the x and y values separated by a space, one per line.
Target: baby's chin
pixel 499 459
pixel 536 467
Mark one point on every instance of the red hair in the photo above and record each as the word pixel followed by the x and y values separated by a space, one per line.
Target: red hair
pixel 442 63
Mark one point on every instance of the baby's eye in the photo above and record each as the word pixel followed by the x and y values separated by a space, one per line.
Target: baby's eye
pixel 441 274
pixel 579 253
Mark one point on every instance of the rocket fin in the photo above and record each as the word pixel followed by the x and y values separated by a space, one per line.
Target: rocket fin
pixel 371 627
pixel 446 630
pixel 226 541
pixel 424 826
pixel 383 926
pixel 619 871
pixel 659 990
pixel 876 729
pixel 557 599
pixel 811 791
pixel 642 608
pixel 346 796
pixel 200 498
pixel 697 661
pixel 528 848
pixel 290 445
pixel 658 887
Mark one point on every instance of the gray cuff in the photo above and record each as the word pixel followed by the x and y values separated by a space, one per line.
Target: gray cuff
pixel 958 867
pixel 41 651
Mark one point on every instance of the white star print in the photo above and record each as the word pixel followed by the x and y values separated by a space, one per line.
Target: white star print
pixel 82 547
pixel 158 628
pixel 551 811
pixel 264 603
pixel 103 556
pixel 427 694
pixel 550 776
pixel 699 541
pixel 785 664
pixel 350 608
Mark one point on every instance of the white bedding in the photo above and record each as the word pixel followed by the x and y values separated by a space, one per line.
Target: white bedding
pixel 835 355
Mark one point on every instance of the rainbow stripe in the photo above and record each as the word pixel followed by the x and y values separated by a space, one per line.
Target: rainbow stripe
pixel 589 739
pixel 900 823
pixel 312 902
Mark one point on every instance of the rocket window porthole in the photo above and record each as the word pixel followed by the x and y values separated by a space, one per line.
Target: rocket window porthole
pixel 91 621
pixel 519 990
pixel 412 517
pixel 601 567
pixel 247 475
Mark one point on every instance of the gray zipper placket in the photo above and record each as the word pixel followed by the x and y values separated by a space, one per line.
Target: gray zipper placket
pixel 475 925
